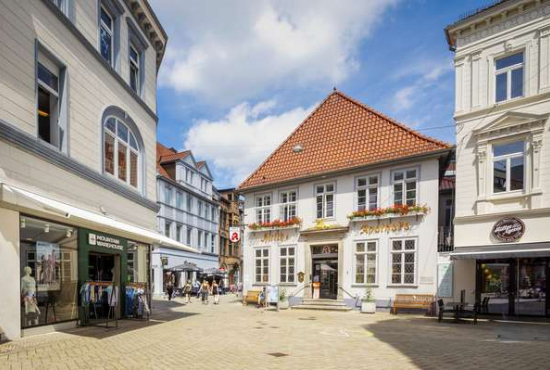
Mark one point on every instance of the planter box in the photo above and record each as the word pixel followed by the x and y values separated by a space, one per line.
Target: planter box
pixel 272 229
pixel 387 216
pixel 368 307
pixel 283 305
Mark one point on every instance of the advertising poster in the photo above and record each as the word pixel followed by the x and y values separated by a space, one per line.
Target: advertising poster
pixel 47 266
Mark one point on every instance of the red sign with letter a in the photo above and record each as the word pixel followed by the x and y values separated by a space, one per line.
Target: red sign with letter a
pixel 234 234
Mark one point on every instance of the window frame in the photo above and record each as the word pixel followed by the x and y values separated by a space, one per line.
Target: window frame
pixel 508 72
pixel 283 206
pixel 287 265
pixel 111 31
pixel 402 252
pixel 404 181
pixel 262 259
pixel 365 255
pixel 508 158
pixel 367 187
pixel 137 66
pixel 129 150
pixel 263 208
pixel 324 200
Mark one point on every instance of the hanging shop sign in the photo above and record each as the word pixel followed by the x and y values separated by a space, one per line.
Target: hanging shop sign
pixel 301 276
pixel 274 236
pixel 234 234
pixel 386 228
pixel 508 229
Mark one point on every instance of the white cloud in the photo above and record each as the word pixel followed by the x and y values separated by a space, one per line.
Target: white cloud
pixel 236 145
pixel 229 51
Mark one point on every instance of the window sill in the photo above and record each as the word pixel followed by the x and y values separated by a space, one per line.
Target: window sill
pixel 288 284
pixel 273 229
pixel 402 286
pixel 260 284
pixel 508 196
pixel 387 216
pixel 365 285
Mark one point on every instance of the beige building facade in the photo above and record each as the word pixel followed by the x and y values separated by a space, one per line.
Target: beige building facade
pixel 77 156
pixel 502 239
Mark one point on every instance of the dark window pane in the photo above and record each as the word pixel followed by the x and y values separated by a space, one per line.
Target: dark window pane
pixel 106 18
pixel 122 132
pixel 109 154
pixel 517 82
pixel 501 88
pixel 48 78
pixel 111 124
pixel 122 161
pixel 516 173
pixel 499 177
pixel 509 61
pixel 511 148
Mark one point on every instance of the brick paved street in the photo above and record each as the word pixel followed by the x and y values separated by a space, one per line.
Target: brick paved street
pixel 231 336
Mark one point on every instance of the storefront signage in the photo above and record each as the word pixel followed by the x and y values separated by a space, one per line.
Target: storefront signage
pixel 234 234
pixel 105 241
pixel 509 229
pixel 386 227
pixel 274 236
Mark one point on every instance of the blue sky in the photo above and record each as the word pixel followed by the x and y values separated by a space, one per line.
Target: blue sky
pixel 240 75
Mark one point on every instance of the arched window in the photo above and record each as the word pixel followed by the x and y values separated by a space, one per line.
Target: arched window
pixel 121 152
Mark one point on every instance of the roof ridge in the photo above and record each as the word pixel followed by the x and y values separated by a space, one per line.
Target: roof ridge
pixel 391 120
pixel 286 140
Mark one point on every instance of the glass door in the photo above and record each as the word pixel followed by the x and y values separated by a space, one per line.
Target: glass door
pixel 495 287
pixel 531 287
pixel 329 279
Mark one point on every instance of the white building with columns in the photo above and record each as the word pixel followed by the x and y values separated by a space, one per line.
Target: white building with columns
pixel 349 201
pixel 502 238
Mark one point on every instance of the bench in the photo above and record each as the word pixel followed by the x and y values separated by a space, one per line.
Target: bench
pixel 424 301
pixel 252 296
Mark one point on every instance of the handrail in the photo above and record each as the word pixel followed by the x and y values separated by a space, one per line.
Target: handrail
pixel 299 290
pixel 356 297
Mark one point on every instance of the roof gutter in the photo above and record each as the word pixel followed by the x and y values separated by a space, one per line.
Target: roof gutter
pixel 436 153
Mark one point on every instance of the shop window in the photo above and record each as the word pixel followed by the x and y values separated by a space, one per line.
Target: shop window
pixel 288 204
pixel 49 274
pixel 403 261
pixel 508 167
pixel 261 262
pixel 287 264
pixel 509 77
pixel 263 208
pixel 366 254
pixel 404 187
pixel 367 192
pixel 324 195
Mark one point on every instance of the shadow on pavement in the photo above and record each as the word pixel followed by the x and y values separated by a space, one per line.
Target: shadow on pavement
pixel 449 345
pixel 162 311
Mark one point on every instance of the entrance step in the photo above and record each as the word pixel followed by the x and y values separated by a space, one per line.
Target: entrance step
pixel 322 305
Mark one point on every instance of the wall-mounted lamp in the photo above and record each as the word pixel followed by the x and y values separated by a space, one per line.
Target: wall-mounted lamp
pixel 23 223
pixel 69 233
pixel 47 228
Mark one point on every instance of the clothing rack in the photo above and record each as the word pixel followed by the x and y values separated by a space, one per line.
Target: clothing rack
pixel 137 304
pixel 113 301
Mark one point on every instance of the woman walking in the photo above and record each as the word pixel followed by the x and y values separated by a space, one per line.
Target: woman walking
pixel 187 292
pixel 205 290
pixel 216 292
pixel 170 286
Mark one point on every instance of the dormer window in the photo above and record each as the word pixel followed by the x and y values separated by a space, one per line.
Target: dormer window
pixel 509 77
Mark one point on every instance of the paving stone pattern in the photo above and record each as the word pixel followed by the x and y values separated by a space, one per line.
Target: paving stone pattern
pixel 232 336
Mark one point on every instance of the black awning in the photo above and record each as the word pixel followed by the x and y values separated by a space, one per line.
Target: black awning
pixel 494 251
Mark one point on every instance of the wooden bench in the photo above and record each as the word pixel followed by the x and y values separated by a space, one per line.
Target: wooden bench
pixel 252 296
pixel 424 301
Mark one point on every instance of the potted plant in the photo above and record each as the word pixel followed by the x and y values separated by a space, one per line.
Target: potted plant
pixel 283 300
pixel 368 303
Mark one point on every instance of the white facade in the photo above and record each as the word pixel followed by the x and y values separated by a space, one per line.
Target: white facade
pixel 188 213
pixel 343 237
pixel 502 101
pixel 57 93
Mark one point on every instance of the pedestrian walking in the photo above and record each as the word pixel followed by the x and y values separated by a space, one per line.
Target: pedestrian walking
pixel 187 292
pixel 205 290
pixel 197 288
pixel 169 289
pixel 216 292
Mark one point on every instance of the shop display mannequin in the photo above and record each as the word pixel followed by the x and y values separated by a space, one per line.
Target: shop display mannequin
pixel 28 295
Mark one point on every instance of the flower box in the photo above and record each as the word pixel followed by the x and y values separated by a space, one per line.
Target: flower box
pixel 276 224
pixel 396 211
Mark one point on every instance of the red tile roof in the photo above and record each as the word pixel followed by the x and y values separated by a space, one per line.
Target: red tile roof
pixel 341 133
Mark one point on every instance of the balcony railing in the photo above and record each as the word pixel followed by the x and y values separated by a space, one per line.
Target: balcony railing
pixel 445 242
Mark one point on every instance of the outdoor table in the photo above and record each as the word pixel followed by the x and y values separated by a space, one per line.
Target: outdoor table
pixel 457 308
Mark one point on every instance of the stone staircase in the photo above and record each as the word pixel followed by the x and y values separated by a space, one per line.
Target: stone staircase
pixel 322 305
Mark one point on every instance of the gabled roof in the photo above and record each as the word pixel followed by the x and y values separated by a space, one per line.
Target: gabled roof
pixel 167 156
pixel 204 169
pixel 340 134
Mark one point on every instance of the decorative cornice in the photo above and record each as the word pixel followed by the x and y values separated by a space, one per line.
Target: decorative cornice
pixel 46 152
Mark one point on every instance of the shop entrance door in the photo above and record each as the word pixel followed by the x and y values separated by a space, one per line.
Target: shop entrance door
pixel 326 272
pixel 103 270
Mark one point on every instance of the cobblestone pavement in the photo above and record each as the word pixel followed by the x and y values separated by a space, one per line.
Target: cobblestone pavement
pixel 231 336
